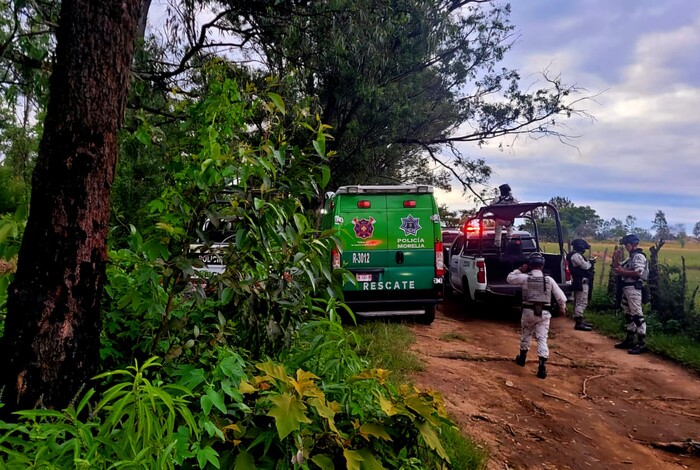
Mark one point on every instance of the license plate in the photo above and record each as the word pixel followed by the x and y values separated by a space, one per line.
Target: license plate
pixel 363 277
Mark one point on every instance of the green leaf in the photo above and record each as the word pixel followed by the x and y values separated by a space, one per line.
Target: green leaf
pixel 274 370
pixel 217 399
pixel 258 203
pixel 432 439
pixel 5 231
pixel 300 221
pixel 278 102
pixel 418 405
pixel 244 461
pixel 369 462
pixel 142 135
pixel 323 461
pixel 353 459
pixel 226 295
pixel 207 455
pixel 374 429
pixel 326 176
pixel 320 148
pixel 288 413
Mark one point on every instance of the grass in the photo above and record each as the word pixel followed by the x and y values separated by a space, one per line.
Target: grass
pixel 454 337
pixel 676 347
pixel 384 345
pixel 671 253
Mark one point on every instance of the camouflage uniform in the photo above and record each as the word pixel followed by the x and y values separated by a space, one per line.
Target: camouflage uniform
pixel 499 224
pixel 631 296
pixel 581 297
pixel 633 272
pixel 531 322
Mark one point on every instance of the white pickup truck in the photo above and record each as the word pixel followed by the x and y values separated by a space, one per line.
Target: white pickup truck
pixel 478 268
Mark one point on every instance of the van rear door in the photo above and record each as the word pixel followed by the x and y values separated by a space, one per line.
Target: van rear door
pixel 363 233
pixel 389 240
pixel 411 241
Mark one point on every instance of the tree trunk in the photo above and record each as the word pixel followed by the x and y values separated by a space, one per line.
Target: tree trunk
pixel 50 347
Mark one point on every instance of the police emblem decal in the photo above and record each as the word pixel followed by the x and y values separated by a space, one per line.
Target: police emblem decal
pixel 363 228
pixel 410 225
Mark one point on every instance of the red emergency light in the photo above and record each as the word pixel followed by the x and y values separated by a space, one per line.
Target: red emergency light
pixel 409 203
pixel 364 204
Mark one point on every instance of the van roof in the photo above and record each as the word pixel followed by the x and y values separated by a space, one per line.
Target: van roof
pixel 388 189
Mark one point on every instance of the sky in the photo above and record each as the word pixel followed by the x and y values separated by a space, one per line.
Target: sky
pixel 641 152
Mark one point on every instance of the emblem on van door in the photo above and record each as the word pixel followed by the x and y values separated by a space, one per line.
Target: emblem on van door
pixel 363 228
pixel 410 225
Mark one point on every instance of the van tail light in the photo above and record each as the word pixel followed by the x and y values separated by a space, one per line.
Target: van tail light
pixel 567 273
pixel 409 204
pixel 481 272
pixel 364 204
pixel 335 258
pixel 439 259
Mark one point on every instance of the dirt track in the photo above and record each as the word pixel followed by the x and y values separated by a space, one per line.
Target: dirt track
pixel 599 407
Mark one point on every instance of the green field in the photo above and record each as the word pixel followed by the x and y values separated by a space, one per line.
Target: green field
pixel 670 253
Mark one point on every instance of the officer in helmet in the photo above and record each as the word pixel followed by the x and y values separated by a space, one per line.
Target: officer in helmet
pixel 537 292
pixel 505 197
pixel 633 273
pixel 582 276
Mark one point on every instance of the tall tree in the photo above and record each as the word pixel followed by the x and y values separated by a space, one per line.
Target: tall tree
pixel 402 83
pixel 660 226
pixel 696 230
pixel 51 340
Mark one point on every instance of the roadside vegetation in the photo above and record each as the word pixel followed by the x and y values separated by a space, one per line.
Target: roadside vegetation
pixel 385 345
pixel 673 316
pixel 251 369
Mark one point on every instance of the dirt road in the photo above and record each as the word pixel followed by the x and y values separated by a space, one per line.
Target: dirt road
pixel 599 407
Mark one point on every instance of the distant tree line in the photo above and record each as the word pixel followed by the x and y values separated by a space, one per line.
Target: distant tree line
pixel 584 222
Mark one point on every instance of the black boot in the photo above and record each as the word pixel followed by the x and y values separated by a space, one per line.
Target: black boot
pixel 541 369
pixel 628 342
pixel 520 359
pixel 640 347
pixel 581 325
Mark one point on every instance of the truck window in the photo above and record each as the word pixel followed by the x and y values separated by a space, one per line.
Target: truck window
pixel 457 246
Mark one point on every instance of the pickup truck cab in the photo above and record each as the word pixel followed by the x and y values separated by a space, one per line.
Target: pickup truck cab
pixel 478 268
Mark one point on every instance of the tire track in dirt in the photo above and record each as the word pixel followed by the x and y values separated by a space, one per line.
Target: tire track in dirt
pixel 598 408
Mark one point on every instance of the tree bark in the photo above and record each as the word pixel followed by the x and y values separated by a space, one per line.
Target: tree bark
pixel 50 347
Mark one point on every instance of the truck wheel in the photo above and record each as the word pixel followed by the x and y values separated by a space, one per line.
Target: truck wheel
pixel 468 303
pixel 428 317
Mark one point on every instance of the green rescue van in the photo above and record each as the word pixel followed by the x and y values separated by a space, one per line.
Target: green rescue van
pixel 391 241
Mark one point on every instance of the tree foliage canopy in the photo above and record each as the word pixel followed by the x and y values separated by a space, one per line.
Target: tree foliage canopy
pixel 404 85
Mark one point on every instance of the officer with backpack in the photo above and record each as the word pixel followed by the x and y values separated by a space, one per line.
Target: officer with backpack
pixel 633 272
pixel 582 277
pixel 537 292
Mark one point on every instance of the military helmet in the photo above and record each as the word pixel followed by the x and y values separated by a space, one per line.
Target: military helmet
pixel 580 245
pixel 504 188
pixel 629 238
pixel 536 259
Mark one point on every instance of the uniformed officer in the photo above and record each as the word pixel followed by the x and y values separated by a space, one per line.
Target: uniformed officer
pixel 506 197
pixel 582 276
pixel 633 272
pixel 537 292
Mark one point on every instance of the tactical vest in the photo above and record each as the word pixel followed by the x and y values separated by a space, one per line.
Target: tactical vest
pixel 628 264
pixel 537 294
pixel 578 274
